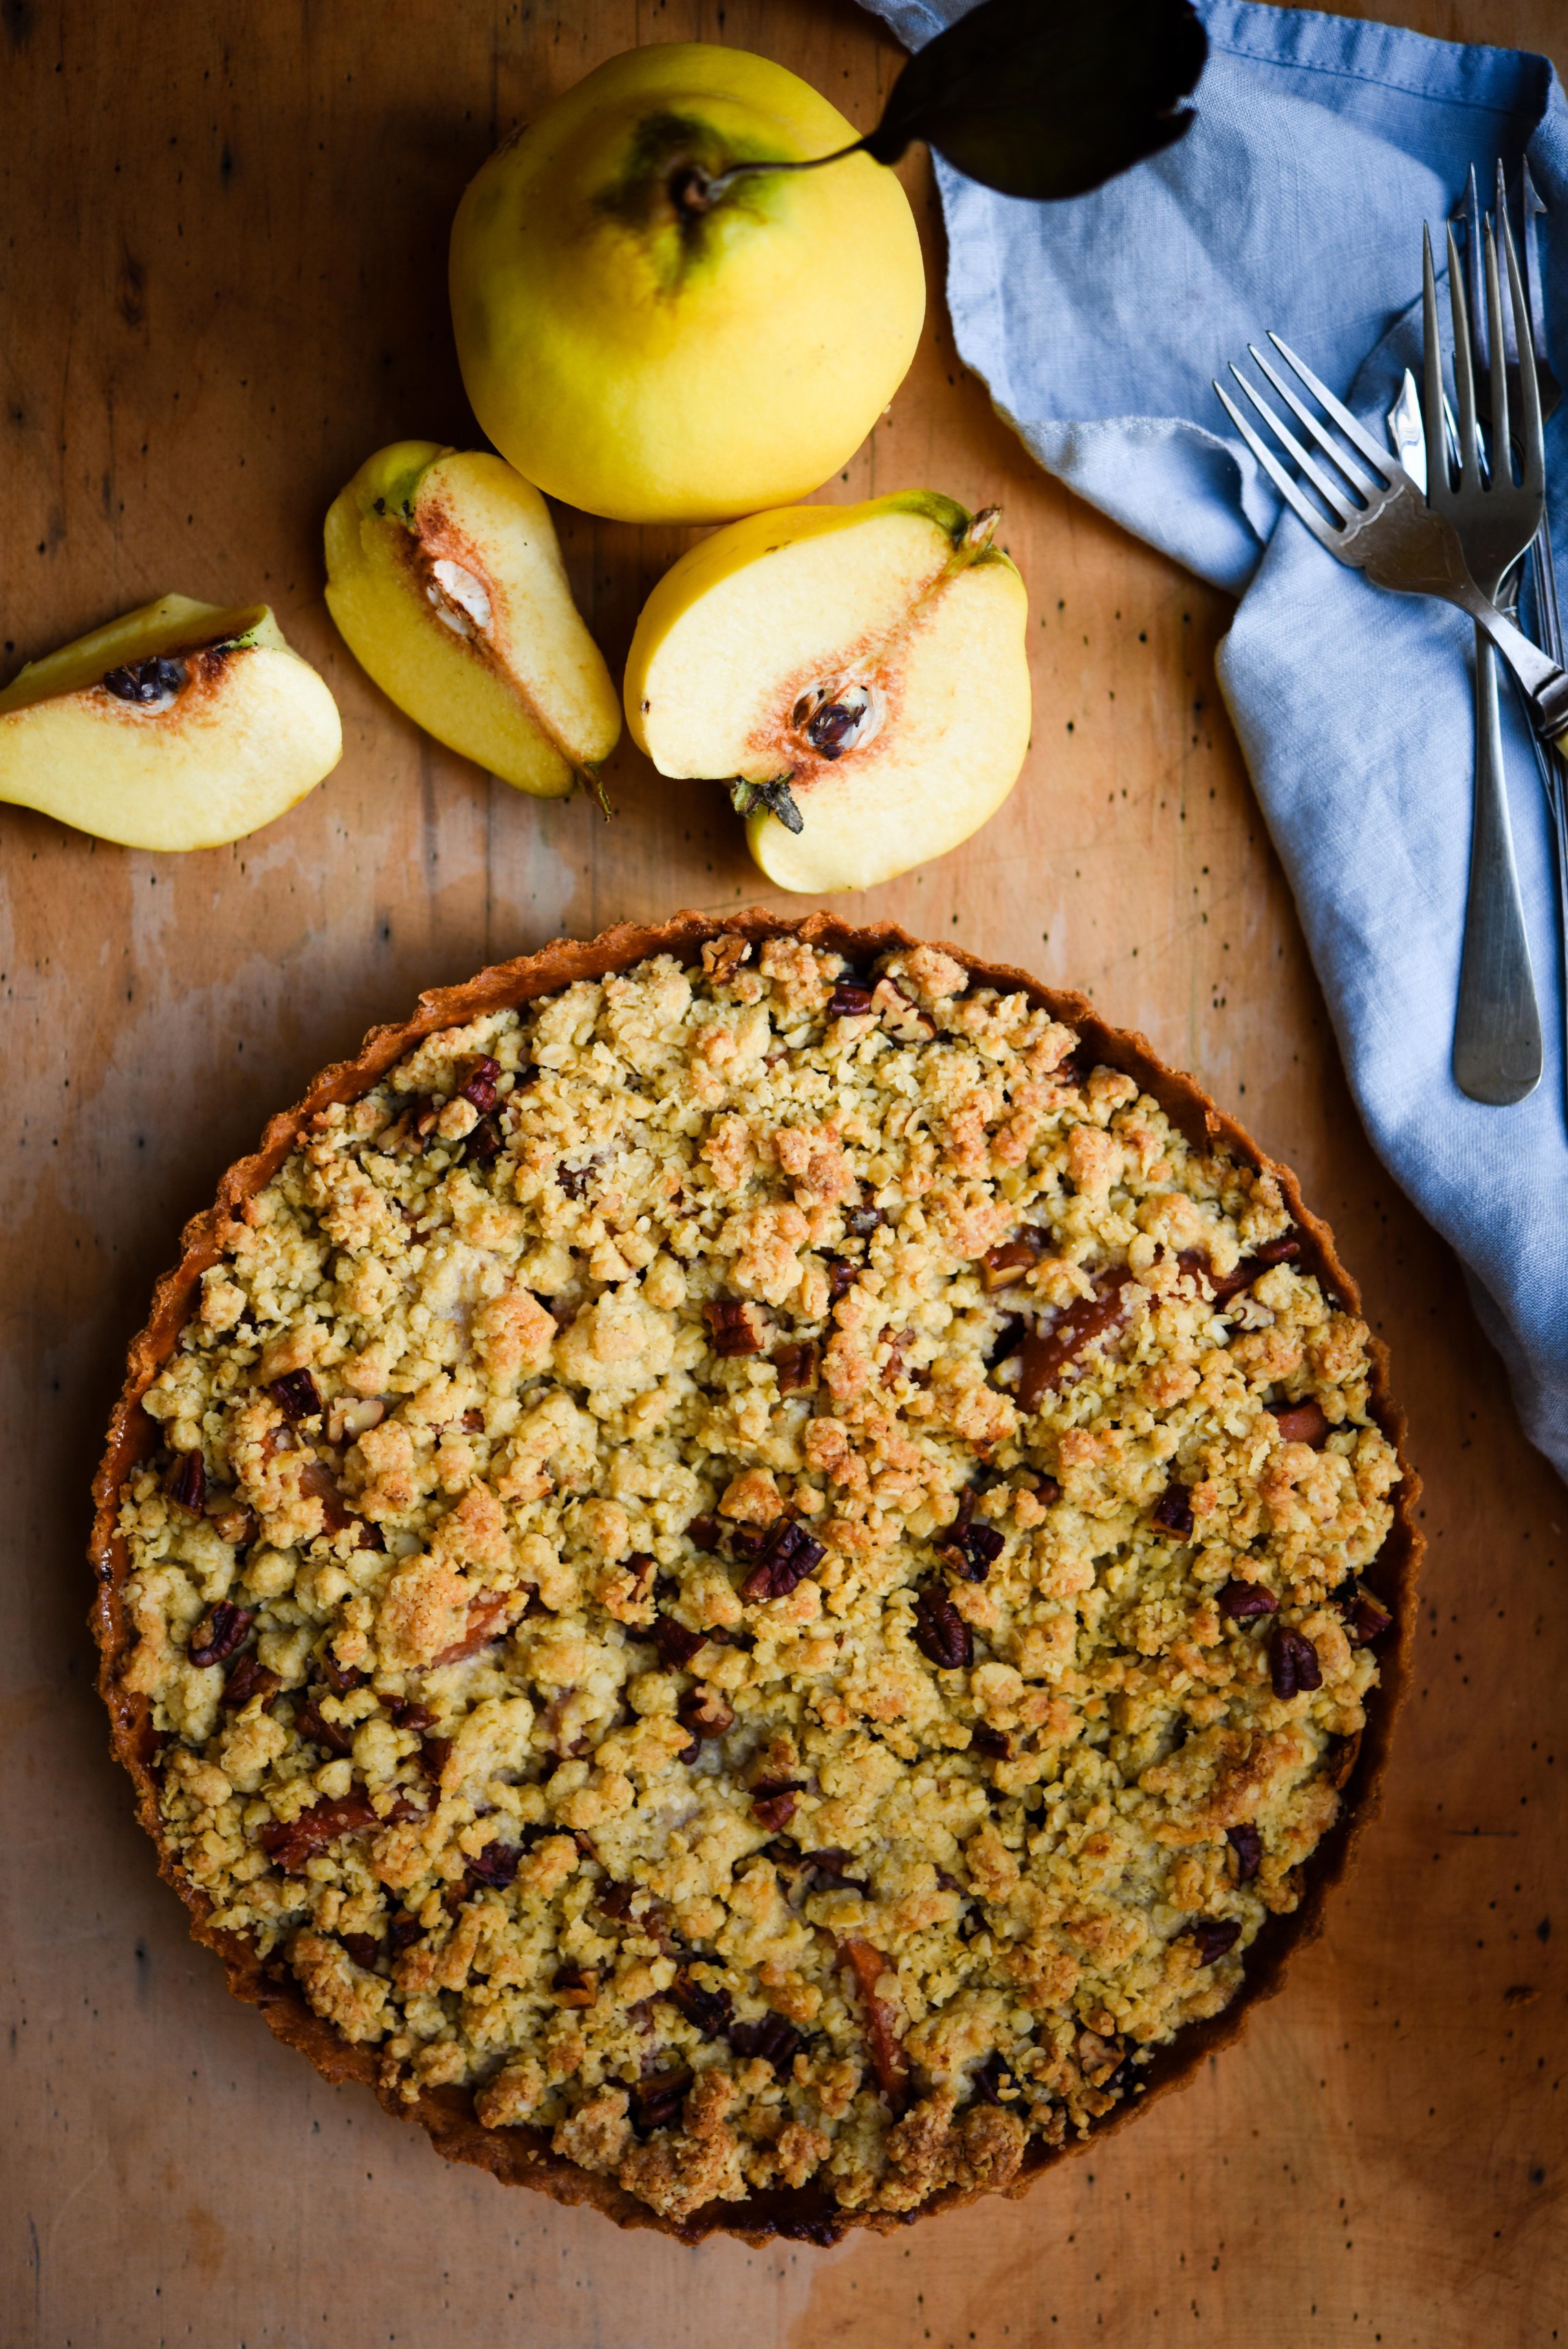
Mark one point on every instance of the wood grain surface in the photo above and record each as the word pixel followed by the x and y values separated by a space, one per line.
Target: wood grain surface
pixel 221 254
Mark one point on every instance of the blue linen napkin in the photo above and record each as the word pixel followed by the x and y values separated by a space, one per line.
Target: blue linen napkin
pixel 1296 202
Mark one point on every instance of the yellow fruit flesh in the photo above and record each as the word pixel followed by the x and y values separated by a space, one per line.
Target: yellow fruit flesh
pixel 655 370
pixel 890 601
pixel 771 601
pixel 944 761
pixel 250 732
pixel 511 678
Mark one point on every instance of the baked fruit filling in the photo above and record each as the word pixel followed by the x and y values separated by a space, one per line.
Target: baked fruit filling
pixel 760 1564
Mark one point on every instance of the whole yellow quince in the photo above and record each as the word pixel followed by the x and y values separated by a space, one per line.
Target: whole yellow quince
pixel 646 347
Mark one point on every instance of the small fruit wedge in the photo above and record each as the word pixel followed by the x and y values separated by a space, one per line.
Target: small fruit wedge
pixel 180 725
pixel 446 578
pixel 858 674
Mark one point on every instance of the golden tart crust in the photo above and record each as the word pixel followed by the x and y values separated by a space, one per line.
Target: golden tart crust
pixel 759 1569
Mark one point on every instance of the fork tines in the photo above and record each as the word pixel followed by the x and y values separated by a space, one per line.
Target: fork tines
pixel 1527 428
pixel 1367 495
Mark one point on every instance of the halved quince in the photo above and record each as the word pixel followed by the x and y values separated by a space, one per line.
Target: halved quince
pixel 180 725
pixel 856 674
pixel 444 576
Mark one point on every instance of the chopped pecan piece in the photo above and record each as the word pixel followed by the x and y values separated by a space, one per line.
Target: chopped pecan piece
pixel 888 2057
pixel 971 1550
pixel 339 1678
pixel 1239 1601
pixel 994 1743
pixel 1365 1619
pixel 940 1632
pixel 478 1086
pixel 484 1144
pixel 434 1755
pixel 317 1478
pixel 615 1899
pixel 656 2101
pixel 1300 1423
pixel 574 1180
pixel 497 1864
pixel 186 1483
pixel 704 1533
pixel 1173 1510
pixel 249 1682
pixel 733 1326
pixel 577 1985
pixel 796 1367
pixel 292 1841
pixel 787 1555
pixel 1341 1758
pixel 1248 1846
pixel 773 1803
pixel 675 1644
pixel 642 1569
pixel 840 1277
pixel 850 999
pixel 409 1714
pixel 708 2011
pixel 219 1631
pixel 403 1932
pixel 1292 1662
pixel 778 2043
pixel 329 1735
pixel 296 1396
pixel 1214 1936
pixel 722 956
pixel 705 1712
pixel 363 1947
pixel 999 1266
pixel 1048 1353
pixel 233 1521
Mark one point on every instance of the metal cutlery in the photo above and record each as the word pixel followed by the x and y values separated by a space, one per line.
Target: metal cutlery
pixel 1497 1051
pixel 1541 567
pixel 1376 519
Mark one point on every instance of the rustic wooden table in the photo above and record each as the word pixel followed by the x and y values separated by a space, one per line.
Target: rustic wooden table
pixel 224 274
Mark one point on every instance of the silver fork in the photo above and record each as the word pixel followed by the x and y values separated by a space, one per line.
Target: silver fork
pixel 1382 524
pixel 1496 1052
pixel 1387 529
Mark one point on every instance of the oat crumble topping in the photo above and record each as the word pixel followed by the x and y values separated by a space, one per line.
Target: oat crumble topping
pixel 758 1565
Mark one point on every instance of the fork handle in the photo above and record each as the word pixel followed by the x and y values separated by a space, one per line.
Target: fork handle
pixel 1496 1028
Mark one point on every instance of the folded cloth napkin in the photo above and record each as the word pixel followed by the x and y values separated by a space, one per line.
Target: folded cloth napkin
pixel 1296 202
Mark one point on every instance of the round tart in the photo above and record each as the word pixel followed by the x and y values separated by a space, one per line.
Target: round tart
pixel 759 1569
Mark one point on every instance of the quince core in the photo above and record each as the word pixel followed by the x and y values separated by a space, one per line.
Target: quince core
pixel 446 578
pixel 646 352
pixel 856 674
pixel 180 725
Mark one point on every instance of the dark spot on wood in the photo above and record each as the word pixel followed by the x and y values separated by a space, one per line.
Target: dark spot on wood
pixel 131 299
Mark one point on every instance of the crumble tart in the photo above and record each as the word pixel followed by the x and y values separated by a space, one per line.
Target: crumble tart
pixel 748 1566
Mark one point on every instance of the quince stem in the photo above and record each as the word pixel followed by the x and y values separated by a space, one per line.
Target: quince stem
pixel 698 190
pixel 591 779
